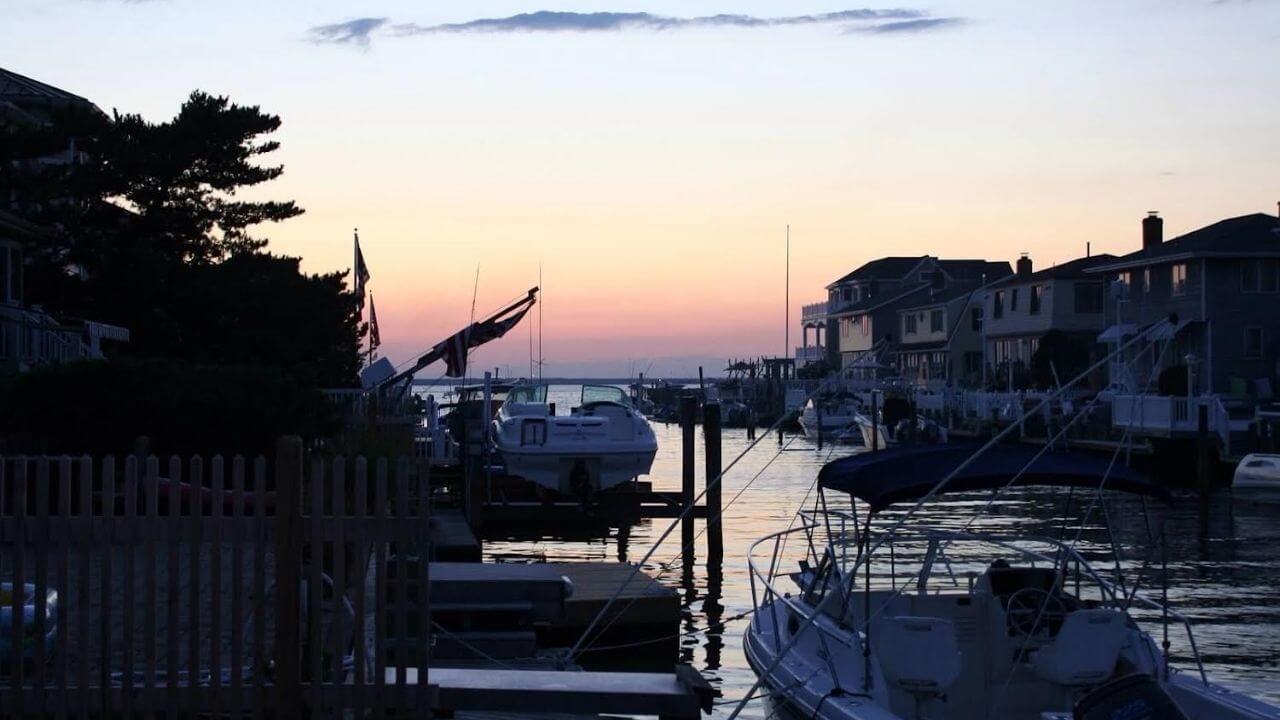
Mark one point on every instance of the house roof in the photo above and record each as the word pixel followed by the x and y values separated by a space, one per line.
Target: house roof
pixel 879 301
pixel 1244 236
pixel 943 297
pixel 895 267
pixel 29 100
pixel 1074 269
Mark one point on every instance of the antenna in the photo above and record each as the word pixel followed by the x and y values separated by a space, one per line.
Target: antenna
pixel 786 348
pixel 542 297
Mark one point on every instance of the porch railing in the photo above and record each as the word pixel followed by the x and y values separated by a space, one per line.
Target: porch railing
pixel 1169 415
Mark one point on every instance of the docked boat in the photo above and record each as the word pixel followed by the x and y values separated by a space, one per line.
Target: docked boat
pixel 604 441
pixel 834 418
pixel 913 621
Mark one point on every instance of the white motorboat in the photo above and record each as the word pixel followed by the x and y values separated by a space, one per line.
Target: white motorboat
pixel 877 435
pixel 602 443
pixel 1257 471
pixel 885 625
pixel 834 418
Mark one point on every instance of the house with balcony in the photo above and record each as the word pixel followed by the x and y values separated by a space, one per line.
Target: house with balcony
pixel 1207 303
pixel 1022 309
pixel 862 307
pixel 30 335
pixel 813 317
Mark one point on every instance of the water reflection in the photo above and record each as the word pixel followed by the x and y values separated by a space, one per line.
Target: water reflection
pixel 1221 555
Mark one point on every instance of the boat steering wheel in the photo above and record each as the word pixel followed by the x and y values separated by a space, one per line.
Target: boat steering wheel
pixel 1032 609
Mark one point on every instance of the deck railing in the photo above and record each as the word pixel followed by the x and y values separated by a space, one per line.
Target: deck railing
pixel 1168 415
pixel 203 585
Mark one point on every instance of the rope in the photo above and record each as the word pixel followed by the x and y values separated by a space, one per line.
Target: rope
pixel 937 488
pixel 683 514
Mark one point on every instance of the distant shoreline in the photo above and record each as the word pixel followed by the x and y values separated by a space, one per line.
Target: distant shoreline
pixel 569 380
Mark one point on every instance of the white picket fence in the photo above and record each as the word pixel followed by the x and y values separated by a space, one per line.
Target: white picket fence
pixel 145 591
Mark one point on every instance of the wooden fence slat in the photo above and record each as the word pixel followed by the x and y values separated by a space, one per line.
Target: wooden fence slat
pixel 260 586
pixel 61 666
pixel 107 505
pixel 237 578
pixel 215 586
pixel 16 639
pixel 404 545
pixel 425 629
pixel 84 557
pixel 127 629
pixel 195 514
pixel 380 593
pixel 41 581
pixel 315 561
pixel 361 500
pixel 338 520
pixel 172 620
pixel 289 474
pixel 152 491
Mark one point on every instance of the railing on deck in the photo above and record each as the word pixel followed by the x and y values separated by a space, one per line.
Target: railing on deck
pixel 193 586
pixel 1167 415
pixel 811 353
pixel 813 312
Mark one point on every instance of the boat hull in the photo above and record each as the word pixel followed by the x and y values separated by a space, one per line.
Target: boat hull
pixel 578 473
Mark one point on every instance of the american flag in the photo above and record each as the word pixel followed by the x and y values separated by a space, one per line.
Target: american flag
pixel 454 349
pixel 361 272
pixel 375 338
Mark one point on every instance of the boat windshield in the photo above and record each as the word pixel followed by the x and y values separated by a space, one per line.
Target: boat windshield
pixel 528 395
pixel 604 394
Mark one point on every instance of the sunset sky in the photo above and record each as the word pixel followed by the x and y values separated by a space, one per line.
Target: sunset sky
pixel 651 161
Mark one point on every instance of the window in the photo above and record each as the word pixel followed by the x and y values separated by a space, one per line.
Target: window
pixel 1126 279
pixel 935 321
pixel 1036 290
pixel 1146 280
pixel 975 319
pixel 1178 279
pixel 1253 342
pixel 1258 276
pixel 1259 464
pixel 997 305
pixel 848 294
pixel 1013 300
pixel 1088 298
pixel 911 324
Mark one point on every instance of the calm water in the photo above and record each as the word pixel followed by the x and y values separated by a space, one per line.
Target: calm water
pixel 1224 574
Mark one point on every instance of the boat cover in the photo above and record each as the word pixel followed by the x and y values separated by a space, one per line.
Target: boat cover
pixel 908 472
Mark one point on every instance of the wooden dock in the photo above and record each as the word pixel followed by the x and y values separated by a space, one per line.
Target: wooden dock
pixel 645 609
pixel 451 537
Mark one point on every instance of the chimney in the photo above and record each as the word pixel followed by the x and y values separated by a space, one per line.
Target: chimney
pixel 1024 265
pixel 1152 230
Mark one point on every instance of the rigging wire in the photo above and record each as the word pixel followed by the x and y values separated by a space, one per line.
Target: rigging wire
pixel 937 488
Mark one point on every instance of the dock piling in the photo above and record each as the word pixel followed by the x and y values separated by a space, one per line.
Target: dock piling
pixel 711 435
pixel 1203 465
pixel 688 415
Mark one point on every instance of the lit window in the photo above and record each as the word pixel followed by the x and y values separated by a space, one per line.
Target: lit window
pixel 1178 279
pixel 1146 280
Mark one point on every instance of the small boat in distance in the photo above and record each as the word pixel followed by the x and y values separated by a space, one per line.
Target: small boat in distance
pixel 602 443
pixel 833 417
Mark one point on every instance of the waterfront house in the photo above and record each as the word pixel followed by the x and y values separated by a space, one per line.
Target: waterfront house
pixel 1219 285
pixel 862 306
pixel 1022 309
pixel 941 339
pixel 31 335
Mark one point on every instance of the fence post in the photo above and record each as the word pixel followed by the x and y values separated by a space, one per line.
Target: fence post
pixel 1202 447
pixel 288 573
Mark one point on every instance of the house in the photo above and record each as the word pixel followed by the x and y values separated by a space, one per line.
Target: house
pixel 1021 309
pixel 941 338
pixel 1217 288
pixel 30 335
pixel 862 306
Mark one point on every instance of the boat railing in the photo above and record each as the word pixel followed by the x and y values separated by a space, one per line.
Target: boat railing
pixel 835 525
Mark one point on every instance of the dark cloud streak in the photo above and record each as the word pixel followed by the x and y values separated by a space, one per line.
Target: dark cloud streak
pixel 350 32
pixel 911 26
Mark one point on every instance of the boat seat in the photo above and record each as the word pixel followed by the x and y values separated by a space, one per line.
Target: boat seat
pixel 918 655
pixel 1085 651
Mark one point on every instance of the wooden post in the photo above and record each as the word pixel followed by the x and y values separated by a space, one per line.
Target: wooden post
pixel 688 412
pixel 715 530
pixel 875 423
pixel 288 573
pixel 1203 467
pixel 817 412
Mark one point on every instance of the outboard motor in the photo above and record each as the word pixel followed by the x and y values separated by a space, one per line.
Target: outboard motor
pixel 580 481
pixel 1131 697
